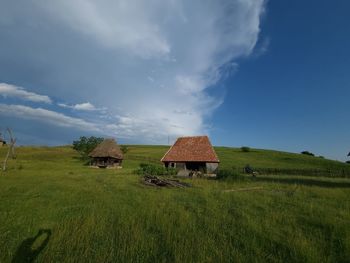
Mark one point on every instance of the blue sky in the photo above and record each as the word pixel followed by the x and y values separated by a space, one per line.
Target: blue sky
pixel 267 74
pixel 296 95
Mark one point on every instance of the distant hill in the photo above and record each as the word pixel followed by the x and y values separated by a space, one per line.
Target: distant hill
pixel 264 161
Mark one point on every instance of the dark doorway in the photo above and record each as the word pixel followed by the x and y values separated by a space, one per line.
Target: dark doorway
pixel 196 166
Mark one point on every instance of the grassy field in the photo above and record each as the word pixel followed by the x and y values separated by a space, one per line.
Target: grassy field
pixel 274 162
pixel 98 215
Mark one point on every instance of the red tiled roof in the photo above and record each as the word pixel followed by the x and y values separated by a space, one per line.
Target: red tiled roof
pixel 191 149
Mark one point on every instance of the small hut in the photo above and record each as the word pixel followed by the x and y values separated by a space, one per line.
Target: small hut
pixel 192 154
pixel 107 155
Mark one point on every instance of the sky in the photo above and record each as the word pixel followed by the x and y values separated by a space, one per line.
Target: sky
pixel 265 74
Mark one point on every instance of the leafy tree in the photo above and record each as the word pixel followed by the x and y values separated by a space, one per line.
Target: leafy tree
pixel 307 153
pixel 85 145
pixel 124 149
pixel 245 149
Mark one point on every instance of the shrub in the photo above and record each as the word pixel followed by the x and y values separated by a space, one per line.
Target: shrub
pixel 248 169
pixel 322 157
pixel 245 149
pixel 348 162
pixel 151 169
pixel 307 153
pixel 124 149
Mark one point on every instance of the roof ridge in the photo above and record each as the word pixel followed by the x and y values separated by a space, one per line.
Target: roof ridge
pixel 196 136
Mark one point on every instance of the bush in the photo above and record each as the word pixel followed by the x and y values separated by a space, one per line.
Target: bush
pixel 248 169
pixel 348 162
pixel 124 149
pixel 85 145
pixel 307 153
pixel 322 157
pixel 245 149
pixel 151 169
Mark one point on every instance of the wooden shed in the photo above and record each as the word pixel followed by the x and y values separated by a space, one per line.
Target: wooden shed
pixel 192 154
pixel 107 155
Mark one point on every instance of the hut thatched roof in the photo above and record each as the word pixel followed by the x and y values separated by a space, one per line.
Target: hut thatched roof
pixel 191 149
pixel 107 148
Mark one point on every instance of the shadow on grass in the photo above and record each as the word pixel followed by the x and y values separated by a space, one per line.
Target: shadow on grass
pixel 26 253
pixel 303 181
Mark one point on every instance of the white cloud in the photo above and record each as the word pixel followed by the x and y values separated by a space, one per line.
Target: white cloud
pixel 86 106
pixel 151 62
pixel 46 116
pixel 63 105
pixel 115 24
pixel 8 90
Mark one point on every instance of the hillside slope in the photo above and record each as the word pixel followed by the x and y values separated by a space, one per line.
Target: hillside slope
pixel 266 161
pixel 106 215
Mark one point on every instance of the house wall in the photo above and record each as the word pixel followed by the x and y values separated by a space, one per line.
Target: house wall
pixel 175 165
pixel 212 167
pixel 180 166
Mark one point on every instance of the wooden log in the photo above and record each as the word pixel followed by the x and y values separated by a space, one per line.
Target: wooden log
pixel 160 182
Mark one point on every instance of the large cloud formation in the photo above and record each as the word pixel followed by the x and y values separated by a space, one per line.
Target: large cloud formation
pixel 150 63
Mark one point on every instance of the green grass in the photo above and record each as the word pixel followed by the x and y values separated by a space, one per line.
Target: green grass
pixel 99 215
pixel 265 161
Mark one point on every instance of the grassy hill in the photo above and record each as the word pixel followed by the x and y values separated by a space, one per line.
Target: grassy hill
pixel 99 215
pixel 266 161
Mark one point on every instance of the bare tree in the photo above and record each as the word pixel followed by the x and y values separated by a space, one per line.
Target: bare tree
pixel 11 149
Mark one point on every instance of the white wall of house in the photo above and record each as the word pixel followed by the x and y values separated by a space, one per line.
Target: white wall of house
pixel 212 167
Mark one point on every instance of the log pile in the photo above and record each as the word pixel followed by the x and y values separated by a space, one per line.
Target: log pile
pixel 161 182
